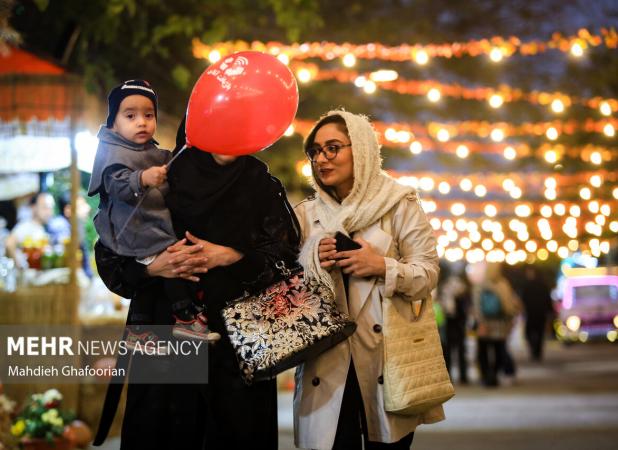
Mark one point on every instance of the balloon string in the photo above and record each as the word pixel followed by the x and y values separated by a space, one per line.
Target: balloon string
pixel 168 165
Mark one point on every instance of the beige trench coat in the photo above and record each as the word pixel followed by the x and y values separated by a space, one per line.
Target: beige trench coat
pixel 411 274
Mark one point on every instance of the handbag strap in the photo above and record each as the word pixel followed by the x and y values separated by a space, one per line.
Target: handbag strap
pixel 285 272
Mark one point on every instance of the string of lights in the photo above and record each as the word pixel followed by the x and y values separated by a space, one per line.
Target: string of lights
pixel 496 48
pixel 495 97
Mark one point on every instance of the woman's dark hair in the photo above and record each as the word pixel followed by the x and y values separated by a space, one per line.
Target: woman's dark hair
pixel 335 118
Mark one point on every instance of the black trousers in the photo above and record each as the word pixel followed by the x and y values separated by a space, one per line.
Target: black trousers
pixel 456 342
pixel 352 424
pixel 535 335
pixel 491 354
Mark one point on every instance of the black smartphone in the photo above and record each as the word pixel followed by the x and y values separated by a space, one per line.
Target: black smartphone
pixel 345 243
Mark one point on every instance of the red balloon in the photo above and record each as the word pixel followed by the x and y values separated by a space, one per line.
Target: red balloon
pixel 241 105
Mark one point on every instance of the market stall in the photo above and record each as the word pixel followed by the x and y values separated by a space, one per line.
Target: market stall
pixel 41 111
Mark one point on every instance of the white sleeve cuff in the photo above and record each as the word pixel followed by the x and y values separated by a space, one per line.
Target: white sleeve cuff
pixel 147 260
pixel 390 277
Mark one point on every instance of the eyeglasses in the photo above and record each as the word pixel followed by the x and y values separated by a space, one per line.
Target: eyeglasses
pixel 329 151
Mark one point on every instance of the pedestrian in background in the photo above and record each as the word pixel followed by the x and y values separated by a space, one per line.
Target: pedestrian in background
pixel 454 296
pixel 536 297
pixel 495 306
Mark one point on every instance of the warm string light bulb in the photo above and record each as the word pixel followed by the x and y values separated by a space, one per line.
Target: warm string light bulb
pixel 550 183
pixel 596 158
pixel 421 57
pixel 605 108
pixel 490 210
pixel 349 60
pixel 577 50
pixel 434 95
pixel 458 209
pixel 369 87
pixel 551 156
pixel 596 181
pixel 510 153
pixel 303 75
pixel 609 130
pixel 560 209
pixel 465 185
pixel 462 151
pixel 497 135
pixel 508 184
pixel 496 54
pixel 550 194
pixel 496 101
pixel 306 169
pixel 360 81
pixel 557 106
pixel 444 188
pixel 381 76
pixel 416 147
pixel 552 133
pixel 214 56
pixel 443 135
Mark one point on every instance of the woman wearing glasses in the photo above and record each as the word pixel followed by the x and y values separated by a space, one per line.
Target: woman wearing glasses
pixel 338 401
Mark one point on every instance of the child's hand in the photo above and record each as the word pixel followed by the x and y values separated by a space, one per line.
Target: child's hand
pixel 155 176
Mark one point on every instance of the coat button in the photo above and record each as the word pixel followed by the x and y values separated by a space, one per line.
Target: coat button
pixel 380 379
pixel 377 328
pixel 315 381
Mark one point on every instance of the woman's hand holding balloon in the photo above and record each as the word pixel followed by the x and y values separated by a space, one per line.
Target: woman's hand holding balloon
pixel 216 255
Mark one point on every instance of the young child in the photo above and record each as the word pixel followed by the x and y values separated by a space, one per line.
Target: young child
pixel 130 172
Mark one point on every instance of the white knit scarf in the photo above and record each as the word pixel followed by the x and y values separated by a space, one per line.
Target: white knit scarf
pixel 373 194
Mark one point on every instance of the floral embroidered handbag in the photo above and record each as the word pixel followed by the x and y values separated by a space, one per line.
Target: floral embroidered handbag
pixel 287 323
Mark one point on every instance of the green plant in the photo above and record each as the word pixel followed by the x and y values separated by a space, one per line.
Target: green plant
pixel 42 417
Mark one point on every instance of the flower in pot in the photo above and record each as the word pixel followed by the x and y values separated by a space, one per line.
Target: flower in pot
pixel 41 423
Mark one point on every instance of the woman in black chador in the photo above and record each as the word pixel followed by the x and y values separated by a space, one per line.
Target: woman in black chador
pixel 239 216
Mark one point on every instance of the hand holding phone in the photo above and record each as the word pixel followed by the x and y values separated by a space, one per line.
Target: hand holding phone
pixel 344 243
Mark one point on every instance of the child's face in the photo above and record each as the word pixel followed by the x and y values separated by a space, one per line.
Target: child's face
pixel 136 120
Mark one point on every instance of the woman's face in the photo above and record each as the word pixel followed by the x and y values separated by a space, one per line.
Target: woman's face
pixel 223 160
pixel 337 173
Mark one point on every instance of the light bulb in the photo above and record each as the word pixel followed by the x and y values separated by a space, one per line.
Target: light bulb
pixel 551 133
pixel 434 95
pixel 462 151
pixel 496 101
pixel 577 50
pixel 303 75
pixel 557 106
pixel 605 108
pixel 510 153
pixel 416 147
pixel 496 54
pixel 497 135
pixel 349 60
pixel 421 57
pixel 214 56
